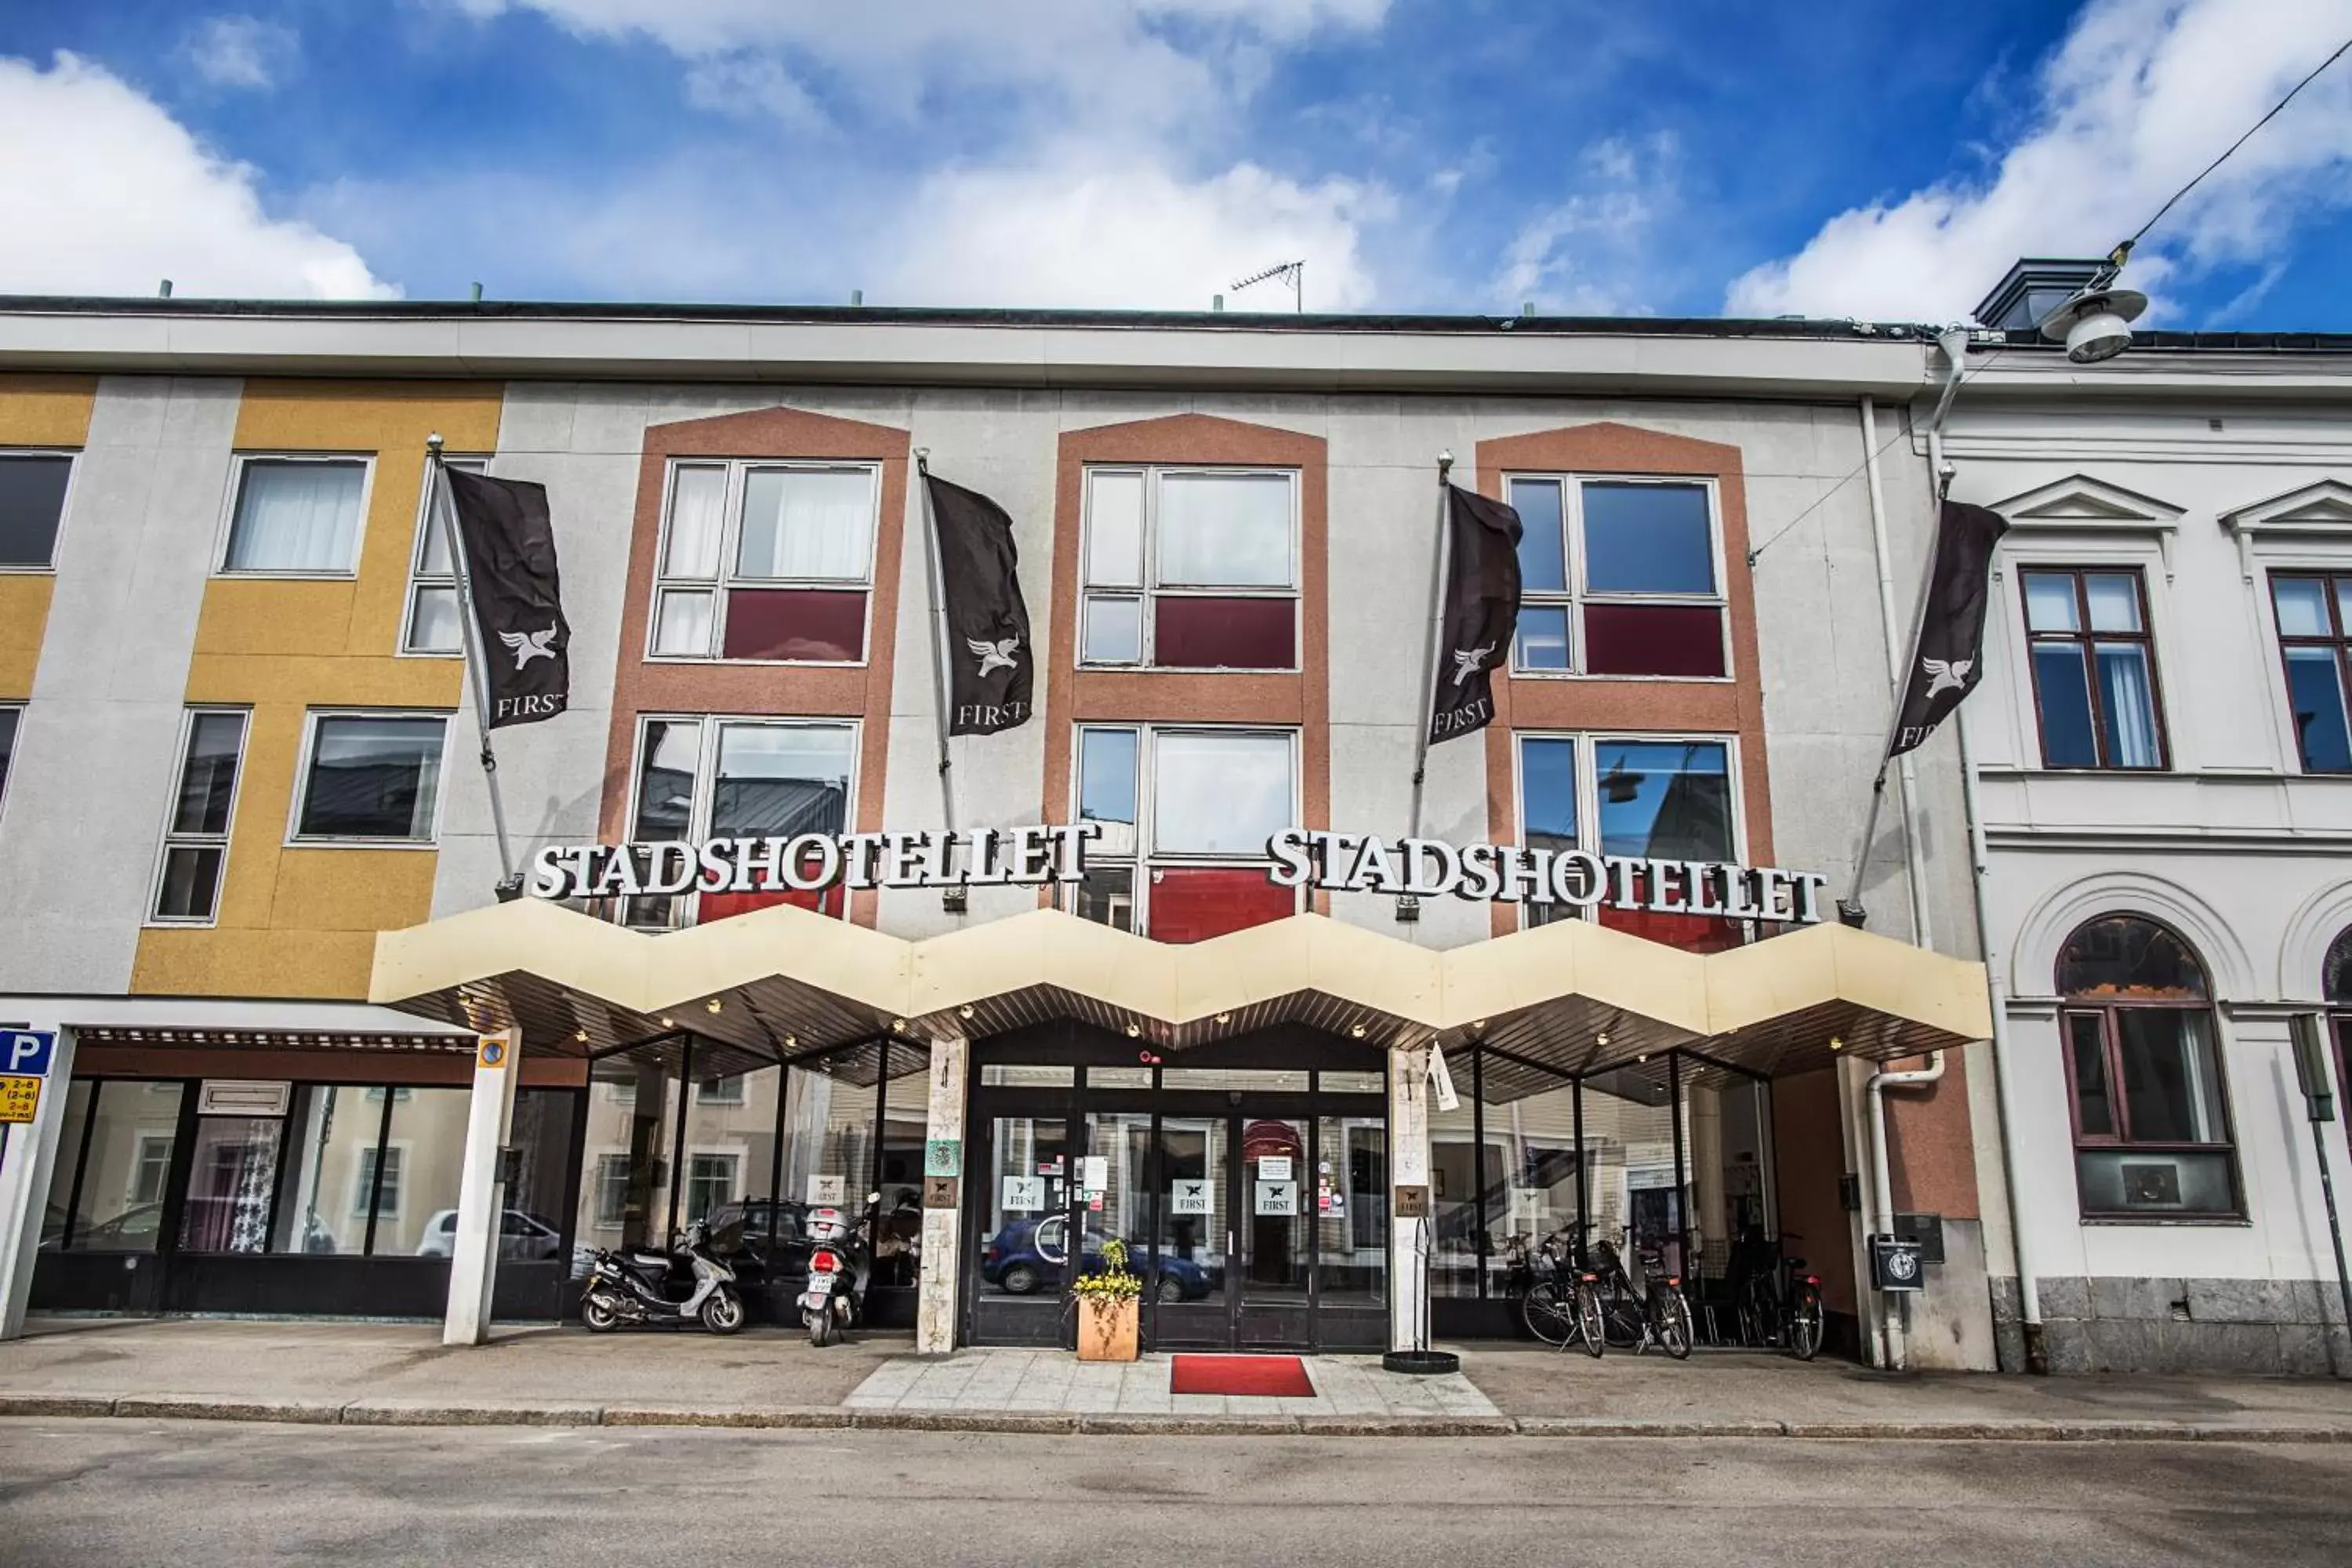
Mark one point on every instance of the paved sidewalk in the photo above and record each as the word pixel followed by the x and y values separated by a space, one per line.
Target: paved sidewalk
pixel 977 1381
pixel 399 1374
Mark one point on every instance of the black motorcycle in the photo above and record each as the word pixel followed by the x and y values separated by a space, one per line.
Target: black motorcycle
pixel 841 1263
pixel 686 1285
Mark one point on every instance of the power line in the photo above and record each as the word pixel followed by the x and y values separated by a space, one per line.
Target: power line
pixel 2240 141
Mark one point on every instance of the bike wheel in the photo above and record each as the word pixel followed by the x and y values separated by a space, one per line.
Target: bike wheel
pixel 722 1313
pixel 1805 1326
pixel 598 1314
pixel 1591 1322
pixel 1548 1315
pixel 1674 1328
pixel 820 1328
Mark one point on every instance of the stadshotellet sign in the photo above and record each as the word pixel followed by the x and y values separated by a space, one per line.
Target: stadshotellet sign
pixel 1510 873
pixel 1044 853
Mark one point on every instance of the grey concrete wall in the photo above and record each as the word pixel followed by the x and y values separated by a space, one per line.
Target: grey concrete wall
pixel 96 752
pixel 2110 1323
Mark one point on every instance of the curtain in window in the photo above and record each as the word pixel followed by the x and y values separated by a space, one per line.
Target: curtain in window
pixel 296 517
pixel 801 523
pixel 1225 531
pixel 698 511
pixel 2130 705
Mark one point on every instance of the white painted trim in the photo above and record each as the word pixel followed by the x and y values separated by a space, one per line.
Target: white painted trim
pixel 222 840
pixel 1149 588
pixel 296 839
pixel 426 533
pixel 2061 911
pixel 227 525
pixel 737 470
pixel 1578 595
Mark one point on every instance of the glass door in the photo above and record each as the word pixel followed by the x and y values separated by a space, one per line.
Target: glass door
pixel 1274 1305
pixel 1024 1215
pixel 1190 1308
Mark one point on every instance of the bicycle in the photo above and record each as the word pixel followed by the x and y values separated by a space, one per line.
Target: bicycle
pixel 1635 1310
pixel 1779 1304
pixel 1558 1307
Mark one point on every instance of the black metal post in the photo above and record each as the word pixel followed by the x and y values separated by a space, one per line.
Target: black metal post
pixel 1478 1157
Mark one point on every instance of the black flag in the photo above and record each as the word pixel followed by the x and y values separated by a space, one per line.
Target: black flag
pixel 1481 612
pixel 1950 658
pixel 991 662
pixel 510 570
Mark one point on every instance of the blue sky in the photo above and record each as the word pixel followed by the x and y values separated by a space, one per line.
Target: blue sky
pixel 1689 157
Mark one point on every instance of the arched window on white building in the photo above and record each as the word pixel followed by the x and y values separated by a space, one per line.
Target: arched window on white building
pixel 2336 985
pixel 2143 1071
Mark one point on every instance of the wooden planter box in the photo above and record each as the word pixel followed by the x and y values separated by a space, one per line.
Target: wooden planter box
pixel 1107 1329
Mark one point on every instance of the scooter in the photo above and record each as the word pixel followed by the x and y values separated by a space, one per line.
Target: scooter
pixel 688 1285
pixel 840 1263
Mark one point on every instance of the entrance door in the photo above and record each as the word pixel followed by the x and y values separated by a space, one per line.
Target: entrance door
pixel 1235 1266
pixel 1024 1230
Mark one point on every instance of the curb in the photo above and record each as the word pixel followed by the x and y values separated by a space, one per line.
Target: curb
pixel 785 1417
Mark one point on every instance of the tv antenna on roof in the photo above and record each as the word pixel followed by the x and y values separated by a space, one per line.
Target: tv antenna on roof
pixel 1291 272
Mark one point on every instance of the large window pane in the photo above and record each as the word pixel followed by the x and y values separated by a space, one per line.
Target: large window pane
pixel 1542 637
pixel 803 523
pixel 1666 799
pixel 1350 1217
pixel 1114 630
pixel 324 1206
pixel 542 1137
pixel 1547 806
pixel 777 780
pixel 1530 1163
pixel 1195 633
pixel 731 1149
pixel 423 1164
pixel 666 775
pixel 135 1126
pixel 697 514
pixel 828 1138
pixel 373 778
pixel 2050 602
pixel 1647 539
pixel 1107 785
pixel 2114 600
pixel 296 517
pixel 191 888
pixel 2156 1182
pixel 1220 794
pixel 1543 565
pixel 682 621
pixel 8 718
pixel 818 626
pixel 231 1173
pixel 2301 604
pixel 1453 1212
pixel 32 503
pixel 1113 530
pixel 1225 531
pixel 2060 682
pixel 209 779
pixel 2128 705
pixel 1653 639
pixel 2314 689
pixel 2095 1115
pixel 624 1166
pixel 433 622
pixel 899 1214
pixel 2171 1086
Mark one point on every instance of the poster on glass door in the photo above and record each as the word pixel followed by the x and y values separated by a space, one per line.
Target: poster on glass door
pixel 1277 1198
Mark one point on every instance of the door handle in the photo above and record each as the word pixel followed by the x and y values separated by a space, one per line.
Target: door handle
pixel 1229 1241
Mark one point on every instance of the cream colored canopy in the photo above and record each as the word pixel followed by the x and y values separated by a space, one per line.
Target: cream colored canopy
pixel 784 983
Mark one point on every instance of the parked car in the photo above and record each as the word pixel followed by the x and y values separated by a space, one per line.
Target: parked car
pixel 139 1228
pixel 523 1236
pixel 1014 1262
pixel 763 1240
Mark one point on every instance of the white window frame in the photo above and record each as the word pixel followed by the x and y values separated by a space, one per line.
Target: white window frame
pixel 1147 855
pixel 706 779
pixel 1578 595
pixel 365 1174
pixel 733 1153
pixel 173 840
pixel 296 839
pixel 730 537
pixel 1151 588
pixel 2040 548
pixel 596 1175
pixel 65 506
pixel 703 1095
pixel 147 1144
pixel 1588 785
pixel 16 748
pixel 428 524
pixel 240 462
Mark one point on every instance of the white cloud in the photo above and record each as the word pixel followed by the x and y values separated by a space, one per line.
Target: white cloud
pixel 1069 233
pixel 2139 96
pixel 1589 255
pixel 241 53
pixel 751 86
pixel 106 193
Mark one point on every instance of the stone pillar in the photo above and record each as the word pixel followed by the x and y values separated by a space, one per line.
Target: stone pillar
pixel 935 1309
pixel 26 1167
pixel 1411 1240
pixel 481 1193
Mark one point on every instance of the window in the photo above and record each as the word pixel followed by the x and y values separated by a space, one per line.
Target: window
pixel 374 1163
pixel 2094 669
pixel 431 627
pixel 1191 568
pixel 1185 816
pixel 766 561
pixel 32 505
pixel 2312 641
pixel 726 778
pixel 195 840
pixel 2336 985
pixel 710 1182
pixel 8 718
pixel 373 777
pixel 296 516
pixel 1617 578
pixel 114 1160
pixel 2151 1137
pixel 612 1190
pixel 1643 797
pixel 721 1091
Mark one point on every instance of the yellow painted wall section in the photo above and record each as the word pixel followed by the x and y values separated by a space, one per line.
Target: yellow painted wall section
pixel 302 921
pixel 35 411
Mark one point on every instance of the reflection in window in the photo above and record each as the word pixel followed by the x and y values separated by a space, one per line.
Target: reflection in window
pixel 714 778
pixel 123 1131
pixel 2151 1132
pixel 1191 568
pixel 1617 578
pixel 2094 669
pixel 767 562
pixel 32 505
pixel 1193 867
pixel 2312 641
pixel 373 776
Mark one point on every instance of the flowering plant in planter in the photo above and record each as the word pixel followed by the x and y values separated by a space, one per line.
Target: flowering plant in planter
pixel 1107 1305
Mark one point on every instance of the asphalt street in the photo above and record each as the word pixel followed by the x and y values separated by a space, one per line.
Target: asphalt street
pixel 93 1493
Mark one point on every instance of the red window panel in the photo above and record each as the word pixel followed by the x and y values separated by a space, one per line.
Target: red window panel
pixel 812 624
pixel 1653 639
pixel 1197 903
pixel 1225 633
pixel 725 906
pixel 1692 933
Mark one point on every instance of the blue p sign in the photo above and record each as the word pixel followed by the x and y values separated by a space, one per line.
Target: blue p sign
pixel 25 1053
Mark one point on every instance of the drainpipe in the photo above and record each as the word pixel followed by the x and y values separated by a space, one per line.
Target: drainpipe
pixel 1882 1179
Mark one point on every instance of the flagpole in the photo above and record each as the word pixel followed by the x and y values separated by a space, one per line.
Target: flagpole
pixel 954 899
pixel 1407 905
pixel 510 886
pixel 1850 910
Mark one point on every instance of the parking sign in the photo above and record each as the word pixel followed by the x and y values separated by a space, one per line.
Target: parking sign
pixel 26 1053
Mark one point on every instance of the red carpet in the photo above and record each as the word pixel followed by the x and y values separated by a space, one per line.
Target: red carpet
pixel 1268 1377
